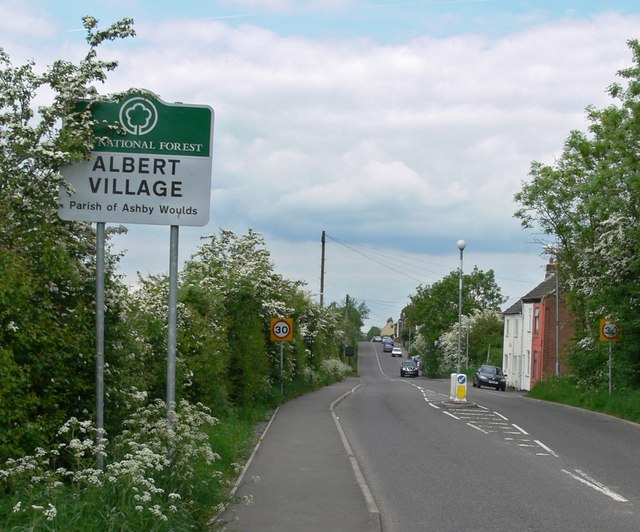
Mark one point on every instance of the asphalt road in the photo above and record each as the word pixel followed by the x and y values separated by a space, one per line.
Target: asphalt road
pixel 504 463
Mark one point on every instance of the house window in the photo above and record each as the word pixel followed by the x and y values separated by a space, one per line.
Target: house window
pixel 515 332
pixel 536 325
pixel 529 320
pixel 527 363
pixel 507 322
pixel 535 365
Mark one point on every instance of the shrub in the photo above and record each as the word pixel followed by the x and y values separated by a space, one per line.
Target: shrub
pixel 156 474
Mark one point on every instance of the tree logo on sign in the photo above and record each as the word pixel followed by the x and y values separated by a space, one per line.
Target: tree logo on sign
pixel 138 116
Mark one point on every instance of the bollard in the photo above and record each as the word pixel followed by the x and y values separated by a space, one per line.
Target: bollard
pixel 453 386
pixel 461 388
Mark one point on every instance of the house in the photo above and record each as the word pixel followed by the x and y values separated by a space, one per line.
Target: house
pixel 389 329
pixel 534 340
pixel 513 355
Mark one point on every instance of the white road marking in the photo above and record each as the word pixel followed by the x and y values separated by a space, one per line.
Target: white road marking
pixel 594 484
pixel 477 428
pixel 548 449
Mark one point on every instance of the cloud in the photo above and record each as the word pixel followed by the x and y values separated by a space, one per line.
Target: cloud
pixel 19 19
pixel 407 145
pixel 280 6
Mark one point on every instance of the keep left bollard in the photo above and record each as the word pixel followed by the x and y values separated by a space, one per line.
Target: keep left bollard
pixel 461 388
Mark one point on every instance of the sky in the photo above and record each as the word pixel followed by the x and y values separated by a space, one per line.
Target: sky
pixel 399 127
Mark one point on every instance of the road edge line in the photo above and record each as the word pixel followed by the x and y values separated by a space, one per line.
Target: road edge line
pixel 364 487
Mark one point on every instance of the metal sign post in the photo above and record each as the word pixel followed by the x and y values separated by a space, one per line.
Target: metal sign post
pixel 610 332
pixel 281 368
pixel 100 343
pixel 172 325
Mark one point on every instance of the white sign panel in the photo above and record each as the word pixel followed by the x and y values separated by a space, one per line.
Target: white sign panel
pixel 157 172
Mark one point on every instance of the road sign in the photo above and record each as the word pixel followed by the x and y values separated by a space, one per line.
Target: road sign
pixel 610 331
pixel 281 329
pixel 461 388
pixel 154 169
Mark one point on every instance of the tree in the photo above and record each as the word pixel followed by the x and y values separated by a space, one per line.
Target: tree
pixel 373 331
pixel 230 292
pixel 47 279
pixel 434 309
pixel 587 205
pixel 236 271
pixel 482 331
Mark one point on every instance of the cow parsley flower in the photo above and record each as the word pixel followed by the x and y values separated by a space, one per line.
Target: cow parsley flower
pixel 51 512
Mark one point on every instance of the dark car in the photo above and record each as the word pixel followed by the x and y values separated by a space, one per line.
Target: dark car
pixel 387 347
pixel 408 369
pixel 491 376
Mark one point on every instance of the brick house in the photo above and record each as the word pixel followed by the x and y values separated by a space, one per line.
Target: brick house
pixel 534 340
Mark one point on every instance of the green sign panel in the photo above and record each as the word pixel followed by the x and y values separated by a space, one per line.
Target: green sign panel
pixel 151 163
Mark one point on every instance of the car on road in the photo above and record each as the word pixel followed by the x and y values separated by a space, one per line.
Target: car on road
pixel 491 376
pixel 377 339
pixel 396 352
pixel 387 347
pixel 408 369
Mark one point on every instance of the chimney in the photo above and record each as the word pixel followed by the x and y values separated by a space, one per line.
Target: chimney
pixel 550 269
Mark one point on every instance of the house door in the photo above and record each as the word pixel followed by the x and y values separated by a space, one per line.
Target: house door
pixel 520 373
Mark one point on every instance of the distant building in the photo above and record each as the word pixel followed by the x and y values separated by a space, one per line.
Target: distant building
pixel 534 340
pixel 389 329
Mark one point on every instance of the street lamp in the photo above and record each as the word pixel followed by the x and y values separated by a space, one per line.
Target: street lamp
pixel 461 245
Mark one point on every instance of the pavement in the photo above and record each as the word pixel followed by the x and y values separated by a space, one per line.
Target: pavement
pixel 302 475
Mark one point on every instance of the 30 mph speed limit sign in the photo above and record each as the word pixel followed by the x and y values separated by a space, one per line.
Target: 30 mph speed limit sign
pixel 610 331
pixel 281 329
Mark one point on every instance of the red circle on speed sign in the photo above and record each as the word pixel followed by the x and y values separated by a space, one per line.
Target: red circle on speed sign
pixel 281 329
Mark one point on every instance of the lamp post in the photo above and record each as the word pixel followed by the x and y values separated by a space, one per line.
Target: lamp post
pixel 461 245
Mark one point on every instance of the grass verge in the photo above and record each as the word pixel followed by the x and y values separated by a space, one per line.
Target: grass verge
pixel 624 404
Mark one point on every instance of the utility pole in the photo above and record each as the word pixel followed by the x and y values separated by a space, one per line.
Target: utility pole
pixel 348 350
pixel 557 320
pixel 324 243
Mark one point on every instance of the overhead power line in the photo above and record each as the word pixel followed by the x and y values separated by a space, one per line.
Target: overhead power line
pixel 385 259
